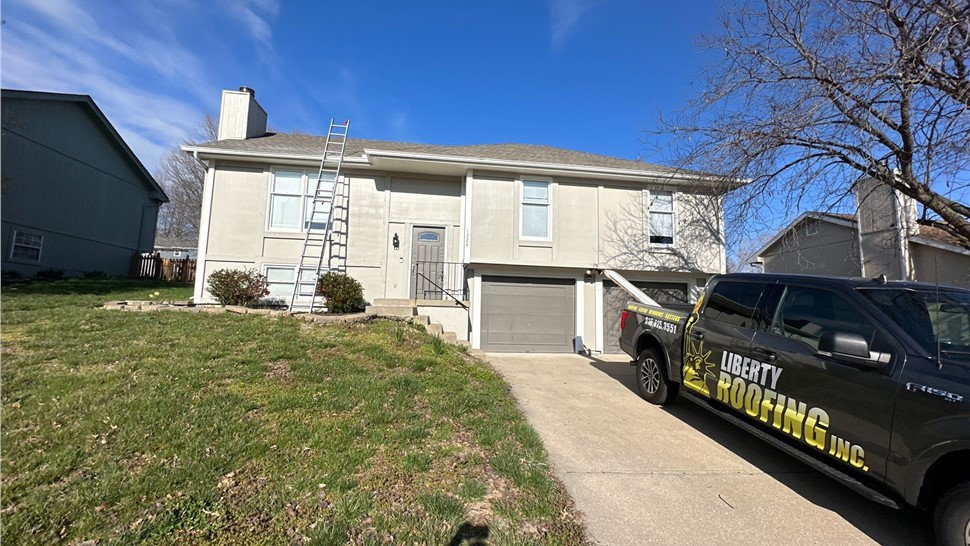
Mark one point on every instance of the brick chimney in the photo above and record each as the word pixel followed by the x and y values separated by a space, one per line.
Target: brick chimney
pixel 240 116
pixel 886 219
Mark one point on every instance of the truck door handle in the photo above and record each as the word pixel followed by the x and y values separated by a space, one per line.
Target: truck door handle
pixel 766 354
pixel 699 336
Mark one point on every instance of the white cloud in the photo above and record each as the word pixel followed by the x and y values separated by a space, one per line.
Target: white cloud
pixel 256 16
pixel 150 120
pixel 565 16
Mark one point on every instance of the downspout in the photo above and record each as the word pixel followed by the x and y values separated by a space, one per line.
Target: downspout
pixel 901 232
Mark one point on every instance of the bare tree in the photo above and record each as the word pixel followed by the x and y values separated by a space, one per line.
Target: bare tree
pixel 810 96
pixel 183 178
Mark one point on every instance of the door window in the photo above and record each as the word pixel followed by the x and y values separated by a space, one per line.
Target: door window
pixel 806 313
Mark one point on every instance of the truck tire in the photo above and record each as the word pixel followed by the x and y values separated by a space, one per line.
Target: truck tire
pixel 952 517
pixel 652 379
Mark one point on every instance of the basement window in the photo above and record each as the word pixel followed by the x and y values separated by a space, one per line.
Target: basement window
pixel 26 246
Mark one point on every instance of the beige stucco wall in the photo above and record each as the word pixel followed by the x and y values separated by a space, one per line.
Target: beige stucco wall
pixel 833 250
pixel 594 224
pixel 381 205
pixel 935 265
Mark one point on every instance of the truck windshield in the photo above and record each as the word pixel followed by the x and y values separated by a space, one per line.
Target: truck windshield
pixel 937 319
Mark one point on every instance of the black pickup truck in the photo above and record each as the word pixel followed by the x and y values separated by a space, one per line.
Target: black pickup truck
pixel 866 380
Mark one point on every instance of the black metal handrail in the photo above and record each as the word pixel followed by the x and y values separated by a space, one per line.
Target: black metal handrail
pixel 439 280
pixel 443 291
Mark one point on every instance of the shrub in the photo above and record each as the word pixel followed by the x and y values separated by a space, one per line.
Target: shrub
pixel 96 275
pixel 343 294
pixel 237 286
pixel 49 274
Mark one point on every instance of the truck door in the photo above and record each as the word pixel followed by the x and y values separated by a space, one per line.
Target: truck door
pixel 726 325
pixel 841 411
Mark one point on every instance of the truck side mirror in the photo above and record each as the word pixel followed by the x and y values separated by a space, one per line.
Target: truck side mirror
pixel 847 347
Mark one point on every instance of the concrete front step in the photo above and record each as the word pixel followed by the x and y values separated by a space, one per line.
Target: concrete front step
pixel 393 302
pixel 450 337
pixel 391 311
pixel 421 319
pixel 435 329
pixel 401 302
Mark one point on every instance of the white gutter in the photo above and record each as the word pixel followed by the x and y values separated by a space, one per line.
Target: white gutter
pixel 215 152
pixel 630 289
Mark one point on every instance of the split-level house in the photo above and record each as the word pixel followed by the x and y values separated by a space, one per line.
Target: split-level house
pixel 884 237
pixel 504 244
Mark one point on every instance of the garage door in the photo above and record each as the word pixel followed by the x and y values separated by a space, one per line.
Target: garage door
pixel 615 299
pixel 528 315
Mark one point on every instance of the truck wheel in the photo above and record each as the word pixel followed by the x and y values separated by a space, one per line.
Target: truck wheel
pixel 952 518
pixel 652 381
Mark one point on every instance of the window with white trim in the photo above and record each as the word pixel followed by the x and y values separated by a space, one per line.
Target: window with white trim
pixel 26 246
pixel 535 218
pixel 661 218
pixel 281 278
pixel 286 195
pixel 291 200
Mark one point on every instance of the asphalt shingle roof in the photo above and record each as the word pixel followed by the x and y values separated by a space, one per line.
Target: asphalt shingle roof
pixel 301 144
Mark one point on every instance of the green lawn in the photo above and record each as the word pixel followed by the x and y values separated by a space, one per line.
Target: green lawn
pixel 168 427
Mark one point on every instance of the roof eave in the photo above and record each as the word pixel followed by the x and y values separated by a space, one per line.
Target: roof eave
pixel 463 162
pixel 506 164
pixel 939 245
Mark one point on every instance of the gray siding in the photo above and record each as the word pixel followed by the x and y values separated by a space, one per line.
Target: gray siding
pixel 935 265
pixel 833 250
pixel 65 178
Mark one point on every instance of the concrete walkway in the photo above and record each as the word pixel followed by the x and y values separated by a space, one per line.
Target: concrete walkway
pixel 643 474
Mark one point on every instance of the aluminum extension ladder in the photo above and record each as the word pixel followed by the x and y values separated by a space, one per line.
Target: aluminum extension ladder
pixel 318 242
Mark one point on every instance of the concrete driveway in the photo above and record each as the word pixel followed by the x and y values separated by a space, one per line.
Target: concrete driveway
pixel 643 474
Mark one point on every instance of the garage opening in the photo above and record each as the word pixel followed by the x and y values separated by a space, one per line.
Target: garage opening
pixel 615 299
pixel 528 315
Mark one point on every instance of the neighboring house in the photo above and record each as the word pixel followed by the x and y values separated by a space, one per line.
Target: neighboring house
pixel 517 232
pixel 170 247
pixel 74 196
pixel 892 242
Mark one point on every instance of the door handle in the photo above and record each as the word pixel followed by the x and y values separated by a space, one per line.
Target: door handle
pixel 770 356
pixel 699 336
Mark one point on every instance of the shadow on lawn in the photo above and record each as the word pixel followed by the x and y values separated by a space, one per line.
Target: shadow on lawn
pixel 884 525
pixel 470 535
pixel 81 287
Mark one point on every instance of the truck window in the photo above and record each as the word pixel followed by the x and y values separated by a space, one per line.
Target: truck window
pixel 806 313
pixel 734 303
pixel 937 319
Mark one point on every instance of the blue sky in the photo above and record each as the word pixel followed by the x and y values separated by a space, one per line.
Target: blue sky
pixel 580 74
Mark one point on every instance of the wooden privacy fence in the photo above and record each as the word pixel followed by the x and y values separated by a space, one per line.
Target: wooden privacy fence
pixel 153 266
